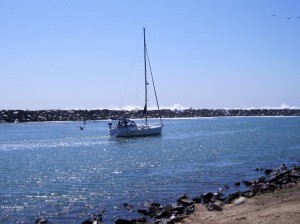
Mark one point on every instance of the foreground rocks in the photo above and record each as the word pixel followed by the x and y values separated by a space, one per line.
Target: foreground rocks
pixel 180 212
pixel 273 180
pixel 281 206
pixel 77 115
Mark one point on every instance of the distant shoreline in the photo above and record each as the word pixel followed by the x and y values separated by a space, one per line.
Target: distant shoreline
pixel 12 116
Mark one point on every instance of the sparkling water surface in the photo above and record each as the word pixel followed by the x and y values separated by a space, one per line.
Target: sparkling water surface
pixel 57 171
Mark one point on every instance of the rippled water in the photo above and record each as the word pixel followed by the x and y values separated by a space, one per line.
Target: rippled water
pixel 54 170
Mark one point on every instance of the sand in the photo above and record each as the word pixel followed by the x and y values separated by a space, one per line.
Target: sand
pixel 281 207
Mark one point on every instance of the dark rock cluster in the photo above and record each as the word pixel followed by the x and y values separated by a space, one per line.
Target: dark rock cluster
pixel 272 180
pixel 77 115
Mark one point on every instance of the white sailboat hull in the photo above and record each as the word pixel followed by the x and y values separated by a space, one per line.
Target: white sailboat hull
pixel 143 130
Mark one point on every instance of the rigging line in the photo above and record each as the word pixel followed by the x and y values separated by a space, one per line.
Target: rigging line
pixel 138 75
pixel 133 63
pixel 154 86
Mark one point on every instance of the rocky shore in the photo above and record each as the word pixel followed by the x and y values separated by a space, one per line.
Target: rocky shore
pixel 281 179
pixel 274 197
pixel 281 206
pixel 104 114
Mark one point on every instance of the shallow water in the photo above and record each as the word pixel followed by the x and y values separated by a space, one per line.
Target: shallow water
pixel 55 170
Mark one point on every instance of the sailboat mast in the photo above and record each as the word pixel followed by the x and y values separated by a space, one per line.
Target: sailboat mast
pixel 146 83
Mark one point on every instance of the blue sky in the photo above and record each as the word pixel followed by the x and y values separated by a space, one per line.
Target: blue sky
pixel 69 54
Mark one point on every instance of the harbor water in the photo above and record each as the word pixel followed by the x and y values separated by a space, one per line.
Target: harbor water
pixel 57 171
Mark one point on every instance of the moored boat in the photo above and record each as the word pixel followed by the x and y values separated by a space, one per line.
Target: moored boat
pixel 125 127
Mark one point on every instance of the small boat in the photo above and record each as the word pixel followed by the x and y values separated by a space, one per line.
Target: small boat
pixel 124 127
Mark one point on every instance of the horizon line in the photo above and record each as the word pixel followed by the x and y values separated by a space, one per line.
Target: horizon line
pixel 177 107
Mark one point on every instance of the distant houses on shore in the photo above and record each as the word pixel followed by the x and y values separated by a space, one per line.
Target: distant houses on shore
pixel 104 114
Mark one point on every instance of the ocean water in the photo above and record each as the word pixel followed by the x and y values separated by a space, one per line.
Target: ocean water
pixel 57 171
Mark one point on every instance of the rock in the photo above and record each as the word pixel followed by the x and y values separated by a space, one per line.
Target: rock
pixel 179 218
pixel 178 209
pixel 95 219
pixel 41 221
pixel 240 201
pixel 278 178
pixel 139 220
pixel 289 185
pixel 128 206
pixel 182 197
pixel 155 204
pixel 247 183
pixel 123 221
pixel 261 179
pixel 144 212
pixel 226 187
pixel 186 202
pixel 237 183
pixel 163 214
pixel 221 197
pixel 283 167
pixel 206 197
pixel 232 197
pixel 153 208
pixel 165 221
pixel 197 199
pixel 214 207
pixel 294 175
pixel 189 209
pixel 268 171
pixel 87 222
pixel 297 168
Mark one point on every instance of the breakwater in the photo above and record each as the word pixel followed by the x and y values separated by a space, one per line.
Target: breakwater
pixel 104 114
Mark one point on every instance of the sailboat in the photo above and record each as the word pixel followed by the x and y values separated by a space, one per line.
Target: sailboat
pixel 124 127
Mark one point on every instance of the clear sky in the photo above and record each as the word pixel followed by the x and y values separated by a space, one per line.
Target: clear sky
pixel 70 54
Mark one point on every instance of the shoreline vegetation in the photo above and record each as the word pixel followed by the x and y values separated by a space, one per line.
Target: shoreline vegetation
pixel 11 116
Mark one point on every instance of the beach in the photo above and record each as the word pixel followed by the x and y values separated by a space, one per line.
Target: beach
pixel 282 206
